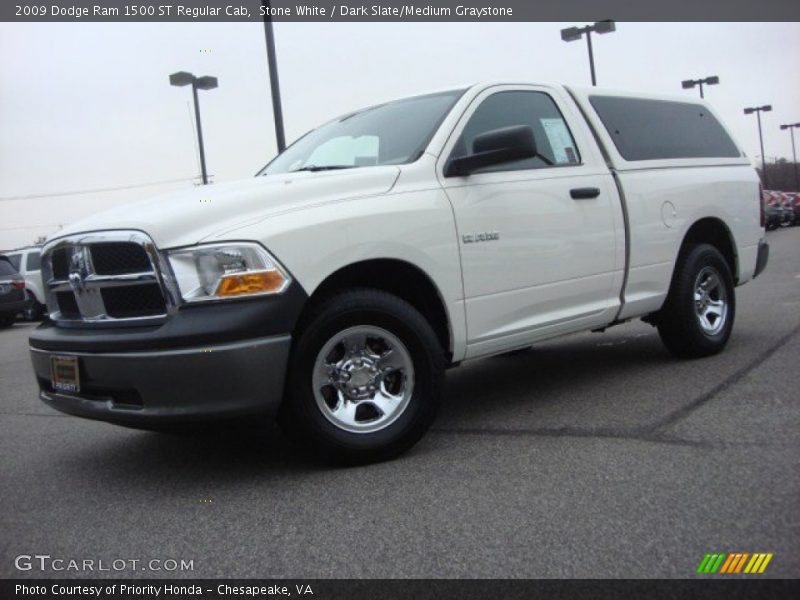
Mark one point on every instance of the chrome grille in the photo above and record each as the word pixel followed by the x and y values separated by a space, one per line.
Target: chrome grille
pixel 113 278
pixel 118 258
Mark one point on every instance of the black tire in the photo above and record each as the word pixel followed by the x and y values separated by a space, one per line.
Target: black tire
pixel 679 325
pixel 33 311
pixel 302 417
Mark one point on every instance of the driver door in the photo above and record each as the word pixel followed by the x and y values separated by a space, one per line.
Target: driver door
pixel 536 261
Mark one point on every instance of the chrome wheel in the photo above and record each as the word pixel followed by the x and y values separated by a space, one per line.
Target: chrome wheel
pixel 710 301
pixel 363 379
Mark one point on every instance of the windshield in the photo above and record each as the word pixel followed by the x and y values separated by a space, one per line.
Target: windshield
pixel 388 134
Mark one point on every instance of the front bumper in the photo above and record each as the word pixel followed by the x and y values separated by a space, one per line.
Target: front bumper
pixel 763 257
pixel 204 362
pixel 188 384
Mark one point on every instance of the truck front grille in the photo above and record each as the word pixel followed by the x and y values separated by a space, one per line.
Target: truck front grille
pixel 133 301
pixel 117 258
pixel 105 277
pixel 60 262
pixel 67 305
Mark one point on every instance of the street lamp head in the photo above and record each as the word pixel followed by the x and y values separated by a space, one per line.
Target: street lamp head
pixel 689 83
pixel 785 126
pixel 181 78
pixel 749 111
pixel 713 80
pixel 570 34
pixel 766 108
pixel 606 26
pixel 206 83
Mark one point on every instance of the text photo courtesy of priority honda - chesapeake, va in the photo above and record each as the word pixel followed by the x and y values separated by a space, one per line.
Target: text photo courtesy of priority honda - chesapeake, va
pixel 389 300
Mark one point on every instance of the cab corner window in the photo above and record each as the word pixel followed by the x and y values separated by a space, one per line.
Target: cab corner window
pixel 554 143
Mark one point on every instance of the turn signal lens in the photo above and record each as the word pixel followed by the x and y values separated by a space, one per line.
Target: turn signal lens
pixel 20 285
pixel 251 283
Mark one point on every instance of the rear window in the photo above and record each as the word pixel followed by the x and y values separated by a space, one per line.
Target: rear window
pixel 6 268
pixel 645 129
pixel 14 259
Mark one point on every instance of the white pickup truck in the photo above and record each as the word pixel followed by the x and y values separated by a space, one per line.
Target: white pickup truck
pixel 334 288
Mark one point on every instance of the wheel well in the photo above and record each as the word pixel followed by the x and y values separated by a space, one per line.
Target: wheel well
pixel 396 277
pixel 713 231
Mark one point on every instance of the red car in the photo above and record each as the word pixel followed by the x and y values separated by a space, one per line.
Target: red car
pixel 779 208
pixel 794 205
pixel 773 210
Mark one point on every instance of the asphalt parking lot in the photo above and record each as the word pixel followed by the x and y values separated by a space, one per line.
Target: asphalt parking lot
pixel 591 456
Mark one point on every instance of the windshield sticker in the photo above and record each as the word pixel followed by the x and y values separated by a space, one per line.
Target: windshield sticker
pixel 560 141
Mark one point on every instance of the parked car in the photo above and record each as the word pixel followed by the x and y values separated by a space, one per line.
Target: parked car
pixel 28 262
pixel 12 292
pixel 772 213
pixel 334 294
pixel 793 202
pixel 787 202
pixel 777 210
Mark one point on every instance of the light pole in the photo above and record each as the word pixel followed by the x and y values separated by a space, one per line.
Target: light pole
pixel 690 83
pixel 207 82
pixel 277 110
pixel 791 127
pixel 574 33
pixel 758 110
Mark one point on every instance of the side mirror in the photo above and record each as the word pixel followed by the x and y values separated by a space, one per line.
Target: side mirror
pixel 494 147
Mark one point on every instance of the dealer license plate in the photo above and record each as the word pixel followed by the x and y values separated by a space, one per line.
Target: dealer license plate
pixel 64 373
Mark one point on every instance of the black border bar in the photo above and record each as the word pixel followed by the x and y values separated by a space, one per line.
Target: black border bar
pixel 410 589
pixel 398 10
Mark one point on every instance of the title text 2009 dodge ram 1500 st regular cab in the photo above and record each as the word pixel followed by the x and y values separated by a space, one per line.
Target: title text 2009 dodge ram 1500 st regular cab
pixel 335 287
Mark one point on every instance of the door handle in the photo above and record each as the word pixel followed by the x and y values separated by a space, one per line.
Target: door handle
pixel 584 193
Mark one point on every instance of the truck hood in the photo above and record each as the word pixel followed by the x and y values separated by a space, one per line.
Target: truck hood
pixel 190 216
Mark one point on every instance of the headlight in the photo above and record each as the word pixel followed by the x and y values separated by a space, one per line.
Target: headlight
pixel 221 271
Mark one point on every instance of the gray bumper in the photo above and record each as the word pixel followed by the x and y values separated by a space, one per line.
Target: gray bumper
pixel 189 384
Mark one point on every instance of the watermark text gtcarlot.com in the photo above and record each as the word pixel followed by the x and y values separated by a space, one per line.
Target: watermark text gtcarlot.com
pixel 48 563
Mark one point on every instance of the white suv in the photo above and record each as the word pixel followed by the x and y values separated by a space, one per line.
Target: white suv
pixel 28 262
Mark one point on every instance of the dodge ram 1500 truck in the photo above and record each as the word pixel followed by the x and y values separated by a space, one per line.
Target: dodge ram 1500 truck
pixel 333 289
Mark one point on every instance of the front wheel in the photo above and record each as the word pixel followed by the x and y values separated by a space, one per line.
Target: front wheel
pixel 365 378
pixel 697 317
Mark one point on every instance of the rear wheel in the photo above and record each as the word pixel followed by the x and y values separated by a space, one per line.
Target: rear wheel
pixel 365 378
pixel 697 317
pixel 34 310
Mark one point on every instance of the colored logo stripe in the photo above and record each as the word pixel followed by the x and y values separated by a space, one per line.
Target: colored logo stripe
pixel 758 563
pixel 710 563
pixel 734 563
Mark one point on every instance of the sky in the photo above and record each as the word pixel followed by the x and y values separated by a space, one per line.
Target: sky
pixel 88 106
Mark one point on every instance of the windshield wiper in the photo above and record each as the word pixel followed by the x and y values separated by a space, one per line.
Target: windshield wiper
pixel 315 168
